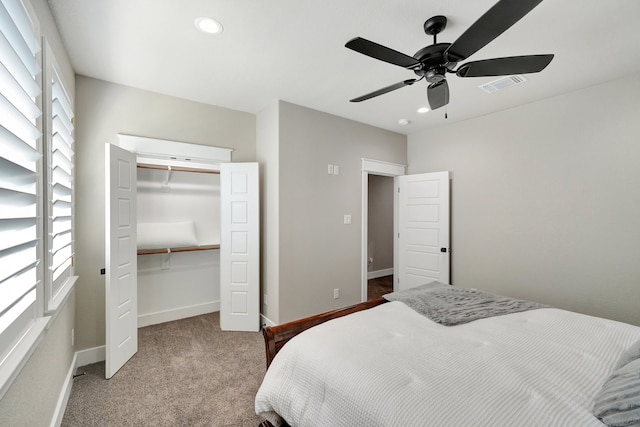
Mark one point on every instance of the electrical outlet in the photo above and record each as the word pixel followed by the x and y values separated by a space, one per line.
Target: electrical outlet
pixel 336 293
pixel 347 219
pixel 336 170
pixel 330 169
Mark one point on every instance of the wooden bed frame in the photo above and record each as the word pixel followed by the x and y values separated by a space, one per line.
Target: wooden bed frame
pixel 277 336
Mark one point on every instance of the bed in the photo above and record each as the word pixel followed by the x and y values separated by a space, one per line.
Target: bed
pixel 381 363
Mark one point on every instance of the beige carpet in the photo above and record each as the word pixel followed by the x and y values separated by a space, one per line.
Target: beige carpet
pixel 186 373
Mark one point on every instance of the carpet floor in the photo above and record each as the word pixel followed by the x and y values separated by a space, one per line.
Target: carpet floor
pixel 185 373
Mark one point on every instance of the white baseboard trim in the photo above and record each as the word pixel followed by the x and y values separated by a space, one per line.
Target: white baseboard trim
pixel 177 313
pixel 65 392
pixel 90 355
pixel 265 321
pixel 379 273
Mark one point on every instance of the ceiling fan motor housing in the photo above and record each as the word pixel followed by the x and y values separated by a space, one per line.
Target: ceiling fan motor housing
pixel 434 65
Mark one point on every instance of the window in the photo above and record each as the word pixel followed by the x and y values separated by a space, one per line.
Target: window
pixel 20 188
pixel 59 184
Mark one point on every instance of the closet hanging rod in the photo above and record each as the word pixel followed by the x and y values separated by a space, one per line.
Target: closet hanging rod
pixel 174 250
pixel 176 169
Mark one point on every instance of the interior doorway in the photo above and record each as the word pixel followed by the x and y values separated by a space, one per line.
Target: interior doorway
pixel 380 236
pixel 378 172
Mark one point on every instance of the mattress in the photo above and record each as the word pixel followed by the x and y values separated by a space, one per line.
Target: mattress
pixel 390 366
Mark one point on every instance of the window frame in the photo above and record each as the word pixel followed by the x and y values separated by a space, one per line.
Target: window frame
pixel 27 91
pixel 56 291
pixel 22 335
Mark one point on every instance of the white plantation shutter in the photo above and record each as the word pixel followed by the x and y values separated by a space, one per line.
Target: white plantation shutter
pixel 19 180
pixel 59 188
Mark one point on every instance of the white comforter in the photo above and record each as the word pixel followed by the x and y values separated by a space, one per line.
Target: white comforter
pixel 389 366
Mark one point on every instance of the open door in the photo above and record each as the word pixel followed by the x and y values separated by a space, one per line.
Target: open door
pixel 121 271
pixel 239 247
pixel 423 229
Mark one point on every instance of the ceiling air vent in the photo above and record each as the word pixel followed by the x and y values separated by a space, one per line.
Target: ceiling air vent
pixel 502 83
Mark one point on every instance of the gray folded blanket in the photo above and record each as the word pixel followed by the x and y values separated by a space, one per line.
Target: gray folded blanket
pixel 451 305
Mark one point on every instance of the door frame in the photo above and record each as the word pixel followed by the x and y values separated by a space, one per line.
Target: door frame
pixel 377 167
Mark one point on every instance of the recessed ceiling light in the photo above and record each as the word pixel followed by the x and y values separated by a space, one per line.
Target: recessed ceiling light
pixel 422 110
pixel 403 122
pixel 208 25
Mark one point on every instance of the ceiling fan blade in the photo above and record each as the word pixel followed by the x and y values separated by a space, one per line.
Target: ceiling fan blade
pixel 383 53
pixel 438 94
pixel 505 66
pixel 494 22
pixel 384 90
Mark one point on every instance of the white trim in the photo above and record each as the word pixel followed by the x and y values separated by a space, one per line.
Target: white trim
pixel 61 297
pixel 177 313
pixel 162 148
pixel 379 273
pixel 265 321
pixel 376 167
pixel 90 355
pixel 380 167
pixel 65 392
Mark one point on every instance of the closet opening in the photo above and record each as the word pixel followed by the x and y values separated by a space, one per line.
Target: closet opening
pixel 182 239
pixel 178 242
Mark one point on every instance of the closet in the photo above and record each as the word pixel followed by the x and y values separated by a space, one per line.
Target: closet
pixel 178 242
pixel 182 239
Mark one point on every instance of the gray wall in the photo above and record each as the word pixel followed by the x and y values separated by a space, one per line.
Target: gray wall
pixel 267 150
pixel 380 222
pixel 104 110
pixel 44 374
pixel 317 251
pixel 546 199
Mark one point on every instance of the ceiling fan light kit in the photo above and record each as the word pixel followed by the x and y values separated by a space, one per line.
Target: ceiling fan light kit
pixel 432 63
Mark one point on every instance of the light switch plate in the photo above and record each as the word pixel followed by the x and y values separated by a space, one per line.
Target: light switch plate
pixel 347 219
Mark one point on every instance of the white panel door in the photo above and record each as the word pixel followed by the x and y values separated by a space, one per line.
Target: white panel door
pixel 423 229
pixel 239 247
pixel 121 258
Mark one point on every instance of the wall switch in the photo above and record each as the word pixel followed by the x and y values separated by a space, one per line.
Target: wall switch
pixel 347 219
pixel 336 170
pixel 330 169
pixel 264 299
pixel 336 293
pixel 73 337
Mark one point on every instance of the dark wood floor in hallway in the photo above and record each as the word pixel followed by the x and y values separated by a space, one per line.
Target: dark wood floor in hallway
pixel 380 286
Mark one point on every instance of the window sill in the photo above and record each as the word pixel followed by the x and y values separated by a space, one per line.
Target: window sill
pixel 11 366
pixel 61 297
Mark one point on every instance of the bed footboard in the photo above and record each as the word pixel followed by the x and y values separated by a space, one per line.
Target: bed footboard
pixel 277 336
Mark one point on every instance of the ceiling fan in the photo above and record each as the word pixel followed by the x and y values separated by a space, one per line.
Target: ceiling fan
pixel 433 62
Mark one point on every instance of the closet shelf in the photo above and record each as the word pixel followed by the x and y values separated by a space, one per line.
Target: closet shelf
pixel 176 169
pixel 175 250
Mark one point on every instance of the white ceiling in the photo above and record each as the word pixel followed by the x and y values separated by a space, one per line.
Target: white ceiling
pixel 293 50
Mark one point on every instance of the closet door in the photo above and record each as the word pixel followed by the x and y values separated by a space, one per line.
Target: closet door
pixel 239 247
pixel 121 290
